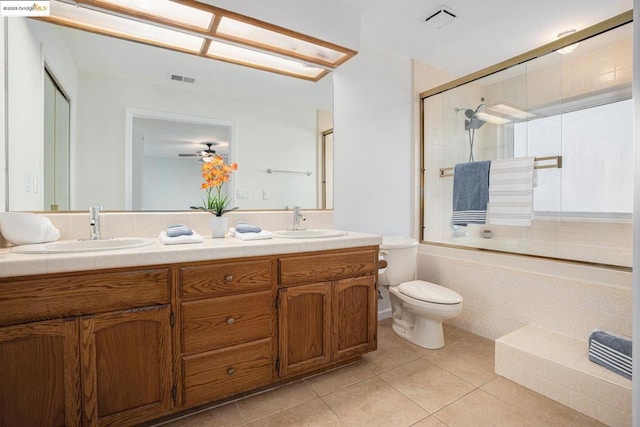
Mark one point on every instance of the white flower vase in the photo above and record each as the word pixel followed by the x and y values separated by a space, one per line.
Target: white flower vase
pixel 218 225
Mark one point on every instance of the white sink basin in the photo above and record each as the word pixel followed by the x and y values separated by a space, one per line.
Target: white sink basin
pixel 308 234
pixel 70 246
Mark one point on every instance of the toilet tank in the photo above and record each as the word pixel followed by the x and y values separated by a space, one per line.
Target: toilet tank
pixel 401 255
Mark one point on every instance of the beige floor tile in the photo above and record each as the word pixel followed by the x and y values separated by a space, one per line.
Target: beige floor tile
pixel 309 414
pixel 431 421
pixel 464 361
pixel 272 401
pixel 479 344
pixel 390 354
pixel 531 404
pixel 481 409
pixel 427 384
pixel 453 334
pixel 333 380
pixel 586 421
pixel 374 403
pixel 223 416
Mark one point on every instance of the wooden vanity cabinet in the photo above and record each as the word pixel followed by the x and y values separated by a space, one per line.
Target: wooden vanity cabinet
pixel 227 324
pixel 332 319
pixel 126 365
pixel 104 358
pixel 40 374
pixel 126 346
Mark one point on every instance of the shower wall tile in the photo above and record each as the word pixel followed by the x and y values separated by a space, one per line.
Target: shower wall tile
pixel 499 298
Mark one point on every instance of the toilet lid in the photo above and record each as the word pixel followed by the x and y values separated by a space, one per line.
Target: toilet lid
pixel 429 292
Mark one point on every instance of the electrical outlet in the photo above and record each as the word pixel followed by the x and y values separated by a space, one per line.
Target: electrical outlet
pixel 243 194
pixel 266 195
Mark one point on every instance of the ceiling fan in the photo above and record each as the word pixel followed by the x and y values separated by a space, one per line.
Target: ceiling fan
pixel 203 154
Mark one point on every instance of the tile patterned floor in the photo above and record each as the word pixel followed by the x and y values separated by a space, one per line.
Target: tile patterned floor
pixel 399 385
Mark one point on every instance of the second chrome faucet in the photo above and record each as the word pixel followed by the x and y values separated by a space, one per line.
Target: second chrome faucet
pixel 94 222
pixel 297 216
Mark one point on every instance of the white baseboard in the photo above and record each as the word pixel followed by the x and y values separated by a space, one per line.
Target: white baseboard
pixel 384 314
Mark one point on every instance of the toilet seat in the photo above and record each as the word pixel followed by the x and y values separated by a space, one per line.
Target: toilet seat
pixel 429 292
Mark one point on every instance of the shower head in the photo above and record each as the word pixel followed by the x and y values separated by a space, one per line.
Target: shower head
pixel 474 121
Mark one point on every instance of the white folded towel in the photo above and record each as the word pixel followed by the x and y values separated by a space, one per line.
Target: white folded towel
pixel 511 183
pixel 178 240
pixel 262 235
pixel 24 228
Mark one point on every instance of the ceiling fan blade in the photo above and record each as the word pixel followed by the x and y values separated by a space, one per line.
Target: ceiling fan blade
pixel 187 155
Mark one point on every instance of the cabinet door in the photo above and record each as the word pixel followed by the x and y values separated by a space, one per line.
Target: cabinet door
pixel 126 365
pixel 39 368
pixel 354 321
pixel 304 327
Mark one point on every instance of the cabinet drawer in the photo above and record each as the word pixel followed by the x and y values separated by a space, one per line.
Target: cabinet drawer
pixel 316 268
pixel 30 299
pixel 226 278
pixel 219 322
pixel 225 372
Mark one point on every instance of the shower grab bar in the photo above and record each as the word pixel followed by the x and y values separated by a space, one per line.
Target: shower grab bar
pixel 540 163
pixel 293 172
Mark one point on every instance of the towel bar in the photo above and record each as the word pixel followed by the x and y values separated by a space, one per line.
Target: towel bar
pixel 540 163
pixel 293 172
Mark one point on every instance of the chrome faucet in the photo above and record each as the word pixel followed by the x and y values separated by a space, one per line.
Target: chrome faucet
pixel 296 217
pixel 94 222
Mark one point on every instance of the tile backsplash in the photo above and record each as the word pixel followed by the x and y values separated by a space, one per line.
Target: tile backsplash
pixel 75 225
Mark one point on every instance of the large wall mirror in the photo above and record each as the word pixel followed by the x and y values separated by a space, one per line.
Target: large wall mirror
pixel 137 116
pixel 570 110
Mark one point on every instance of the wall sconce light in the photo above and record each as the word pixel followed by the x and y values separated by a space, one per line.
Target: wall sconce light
pixel 192 27
pixel 567 49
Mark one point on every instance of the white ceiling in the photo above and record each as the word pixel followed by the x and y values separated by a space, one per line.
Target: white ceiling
pixel 485 32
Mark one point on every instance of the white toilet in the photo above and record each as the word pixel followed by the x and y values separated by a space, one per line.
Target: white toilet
pixel 418 307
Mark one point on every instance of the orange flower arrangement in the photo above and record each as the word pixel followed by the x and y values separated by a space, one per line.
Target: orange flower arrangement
pixel 215 173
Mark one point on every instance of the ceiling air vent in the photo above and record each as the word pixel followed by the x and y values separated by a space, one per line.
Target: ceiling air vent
pixel 184 79
pixel 440 17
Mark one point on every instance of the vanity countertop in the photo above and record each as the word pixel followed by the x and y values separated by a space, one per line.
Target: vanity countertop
pixel 16 264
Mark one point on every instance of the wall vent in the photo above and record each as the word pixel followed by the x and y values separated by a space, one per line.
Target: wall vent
pixel 440 17
pixel 179 78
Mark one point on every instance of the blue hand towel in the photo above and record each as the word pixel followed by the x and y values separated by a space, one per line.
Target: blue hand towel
pixel 176 230
pixel 611 351
pixel 470 192
pixel 243 227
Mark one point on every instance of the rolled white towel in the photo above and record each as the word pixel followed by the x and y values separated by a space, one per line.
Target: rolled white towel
pixel 25 228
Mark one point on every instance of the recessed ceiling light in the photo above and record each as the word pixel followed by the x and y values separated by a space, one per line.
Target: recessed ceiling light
pixel 567 49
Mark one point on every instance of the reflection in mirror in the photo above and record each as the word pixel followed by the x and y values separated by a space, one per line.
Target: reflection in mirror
pixel 271 121
pixel 574 109
pixel 159 143
pixel 56 146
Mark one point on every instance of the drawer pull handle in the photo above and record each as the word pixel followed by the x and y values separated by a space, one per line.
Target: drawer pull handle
pixel 230 321
pixel 228 278
pixel 231 371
